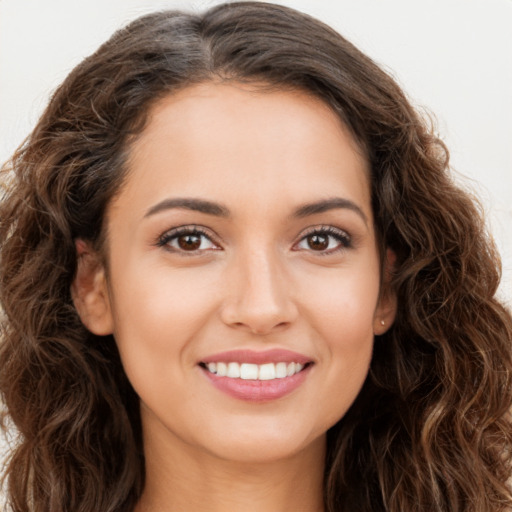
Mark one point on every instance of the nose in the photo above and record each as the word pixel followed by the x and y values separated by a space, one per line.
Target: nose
pixel 258 295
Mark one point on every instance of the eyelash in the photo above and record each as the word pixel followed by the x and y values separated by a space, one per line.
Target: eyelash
pixel 342 237
pixel 166 238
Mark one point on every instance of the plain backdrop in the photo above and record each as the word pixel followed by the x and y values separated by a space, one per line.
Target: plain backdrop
pixel 453 57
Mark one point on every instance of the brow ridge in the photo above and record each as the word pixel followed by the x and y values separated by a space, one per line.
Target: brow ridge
pixel 198 205
pixel 216 209
pixel 325 205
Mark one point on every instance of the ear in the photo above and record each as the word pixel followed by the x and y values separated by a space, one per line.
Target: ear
pixel 385 312
pixel 89 291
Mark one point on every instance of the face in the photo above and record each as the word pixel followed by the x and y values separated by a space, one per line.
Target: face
pixel 243 281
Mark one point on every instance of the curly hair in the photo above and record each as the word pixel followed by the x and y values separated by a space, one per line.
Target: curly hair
pixel 430 430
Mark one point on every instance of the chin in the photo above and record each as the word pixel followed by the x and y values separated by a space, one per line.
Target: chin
pixel 265 448
pixel 261 439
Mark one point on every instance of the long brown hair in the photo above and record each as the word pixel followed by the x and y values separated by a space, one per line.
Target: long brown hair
pixel 430 430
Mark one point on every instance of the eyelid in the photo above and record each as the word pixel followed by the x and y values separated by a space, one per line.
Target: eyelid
pixel 345 239
pixel 164 239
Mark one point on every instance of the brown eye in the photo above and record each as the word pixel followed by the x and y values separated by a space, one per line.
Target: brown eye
pixel 185 239
pixel 325 240
pixel 190 242
pixel 318 242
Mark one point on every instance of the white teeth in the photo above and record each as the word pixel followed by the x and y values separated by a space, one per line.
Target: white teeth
pixel 233 370
pixel 267 371
pixel 222 369
pixel 248 371
pixel 281 370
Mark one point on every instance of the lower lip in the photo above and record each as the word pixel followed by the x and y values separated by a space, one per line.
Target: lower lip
pixel 258 390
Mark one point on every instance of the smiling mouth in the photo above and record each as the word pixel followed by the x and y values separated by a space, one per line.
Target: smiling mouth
pixel 249 371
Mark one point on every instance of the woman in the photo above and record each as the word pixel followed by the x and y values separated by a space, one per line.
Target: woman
pixel 236 274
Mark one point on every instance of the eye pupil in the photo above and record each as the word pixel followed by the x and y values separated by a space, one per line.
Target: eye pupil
pixel 189 242
pixel 318 242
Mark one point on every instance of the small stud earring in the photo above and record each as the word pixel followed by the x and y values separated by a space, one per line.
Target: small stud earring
pixel 382 322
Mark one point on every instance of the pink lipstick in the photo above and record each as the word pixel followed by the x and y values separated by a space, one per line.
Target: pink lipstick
pixel 257 376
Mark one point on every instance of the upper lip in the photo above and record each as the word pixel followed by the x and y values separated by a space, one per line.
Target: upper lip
pixel 257 357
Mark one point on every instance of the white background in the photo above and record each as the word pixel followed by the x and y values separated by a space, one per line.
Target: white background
pixel 453 57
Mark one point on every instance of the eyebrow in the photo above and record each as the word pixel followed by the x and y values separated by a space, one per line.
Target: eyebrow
pixel 198 205
pixel 329 204
pixel 218 210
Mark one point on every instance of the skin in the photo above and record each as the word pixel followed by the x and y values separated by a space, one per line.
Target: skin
pixel 256 280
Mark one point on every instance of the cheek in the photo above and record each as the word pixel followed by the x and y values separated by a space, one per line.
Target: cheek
pixel 342 302
pixel 157 321
pixel 157 313
pixel 340 310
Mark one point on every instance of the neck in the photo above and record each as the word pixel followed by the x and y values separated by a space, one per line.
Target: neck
pixel 181 478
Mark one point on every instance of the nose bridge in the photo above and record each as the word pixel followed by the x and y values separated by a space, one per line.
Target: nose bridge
pixel 263 278
pixel 260 293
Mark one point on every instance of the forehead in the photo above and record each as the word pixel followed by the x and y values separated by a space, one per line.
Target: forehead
pixel 232 140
